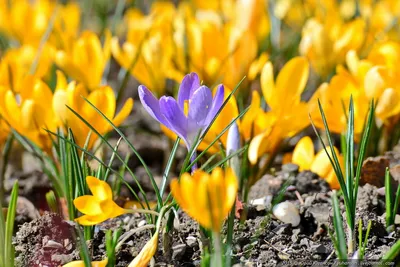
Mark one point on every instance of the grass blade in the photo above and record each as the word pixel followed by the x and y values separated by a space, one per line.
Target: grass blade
pixel 12 209
pixel 350 155
pixel 153 182
pixel 168 166
pixel 388 199
pixel 341 250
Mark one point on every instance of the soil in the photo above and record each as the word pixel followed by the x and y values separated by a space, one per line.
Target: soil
pixel 261 240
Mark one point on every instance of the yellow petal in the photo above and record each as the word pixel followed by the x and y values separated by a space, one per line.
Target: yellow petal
pixel 247 128
pixel 268 84
pixel 61 81
pixel 388 104
pixel 290 83
pixel 321 164
pixel 102 263
pixel 100 189
pixel 257 65
pixel 375 82
pixel 147 252
pixel 303 153
pixel 258 146
pixel 124 112
pixel 89 205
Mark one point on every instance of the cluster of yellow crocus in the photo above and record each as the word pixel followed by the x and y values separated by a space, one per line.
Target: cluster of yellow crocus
pixel 172 41
pixel 38 16
pixel 304 156
pixel 374 77
pixel 28 104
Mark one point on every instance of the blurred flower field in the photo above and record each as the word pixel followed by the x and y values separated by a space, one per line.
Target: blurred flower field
pixel 199 133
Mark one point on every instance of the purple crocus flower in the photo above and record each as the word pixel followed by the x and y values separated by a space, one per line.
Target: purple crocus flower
pixel 191 114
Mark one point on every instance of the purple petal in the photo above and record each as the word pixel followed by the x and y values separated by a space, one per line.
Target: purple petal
pixel 189 84
pixel 216 104
pixel 174 115
pixel 151 105
pixel 199 107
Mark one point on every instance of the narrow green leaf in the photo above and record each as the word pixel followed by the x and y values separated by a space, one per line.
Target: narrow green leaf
pixel 12 210
pixel 349 156
pixel 168 166
pixel 341 251
pixel 388 199
pixel 221 162
pixel 153 182
pixel 84 250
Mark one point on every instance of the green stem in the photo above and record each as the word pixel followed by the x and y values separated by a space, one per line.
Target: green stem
pixel 217 261
pixel 3 165
pixel 350 241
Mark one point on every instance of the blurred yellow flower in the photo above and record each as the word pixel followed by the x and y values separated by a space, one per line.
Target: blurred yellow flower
pixel 325 41
pixel 218 51
pixel 207 198
pixel 28 111
pixel 102 263
pixel 102 97
pixel 22 62
pixel 37 16
pixel 97 207
pixel 287 114
pixel 147 50
pixel 4 131
pixel 303 155
pixel 85 59
pixel 147 252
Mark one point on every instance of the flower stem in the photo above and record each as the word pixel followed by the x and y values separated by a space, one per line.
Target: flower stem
pixel 217 259
pixel 144 211
pixel 194 167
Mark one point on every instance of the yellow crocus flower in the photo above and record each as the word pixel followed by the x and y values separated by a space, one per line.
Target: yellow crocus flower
pixel 147 51
pixel 287 114
pixel 98 207
pixel 102 97
pixel 102 263
pixel 304 157
pixel 218 51
pixel 85 59
pixel 23 62
pixel 37 15
pixel 28 112
pixel 325 41
pixel 207 198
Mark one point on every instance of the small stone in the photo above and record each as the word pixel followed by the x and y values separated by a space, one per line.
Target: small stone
pixel 287 212
pixel 178 251
pixel 283 229
pixel 142 223
pixel 290 167
pixel 397 219
pixel 320 249
pixel 191 241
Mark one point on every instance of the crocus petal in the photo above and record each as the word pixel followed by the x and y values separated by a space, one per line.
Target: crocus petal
pixel 151 104
pixel 199 107
pixel 124 112
pixel 102 263
pixel 258 146
pixel 189 84
pixel 100 189
pixel 88 205
pixel 89 220
pixel 147 252
pixel 177 121
pixel 216 104
pixel 303 153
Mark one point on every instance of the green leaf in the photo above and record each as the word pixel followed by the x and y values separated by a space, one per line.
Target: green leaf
pixel 341 250
pixel 12 209
pixel 388 199
pixel 168 166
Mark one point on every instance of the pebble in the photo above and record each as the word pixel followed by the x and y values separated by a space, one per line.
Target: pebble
pixel 178 251
pixel 191 241
pixel 287 212
pixel 142 223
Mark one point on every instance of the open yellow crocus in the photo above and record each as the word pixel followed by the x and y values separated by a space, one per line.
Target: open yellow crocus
pixel 85 58
pixel 207 198
pixel 305 157
pixel 103 98
pixel 97 207
pixel 147 51
pixel 326 40
pixel 287 114
pixel 218 51
pixel 37 15
pixel 28 112
pixel 102 263
pixel 18 64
